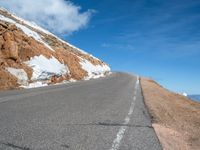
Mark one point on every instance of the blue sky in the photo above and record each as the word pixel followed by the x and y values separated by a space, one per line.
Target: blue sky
pixel 155 38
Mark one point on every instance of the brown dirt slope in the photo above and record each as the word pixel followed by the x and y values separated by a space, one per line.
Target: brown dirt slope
pixel 175 118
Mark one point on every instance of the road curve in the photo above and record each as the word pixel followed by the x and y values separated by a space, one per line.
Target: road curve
pixel 101 114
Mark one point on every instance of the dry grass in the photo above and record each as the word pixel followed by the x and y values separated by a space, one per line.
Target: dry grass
pixel 175 118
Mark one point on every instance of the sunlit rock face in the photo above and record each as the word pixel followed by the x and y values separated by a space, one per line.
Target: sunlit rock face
pixel 30 53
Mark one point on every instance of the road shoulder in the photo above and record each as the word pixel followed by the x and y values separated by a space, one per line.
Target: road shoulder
pixel 175 118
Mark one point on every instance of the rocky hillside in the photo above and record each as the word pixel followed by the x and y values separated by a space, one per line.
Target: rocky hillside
pixel 31 56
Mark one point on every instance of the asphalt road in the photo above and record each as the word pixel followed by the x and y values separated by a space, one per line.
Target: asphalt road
pixel 100 114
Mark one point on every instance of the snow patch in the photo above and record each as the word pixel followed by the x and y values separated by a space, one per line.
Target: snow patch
pixel 7 19
pixel 31 24
pixel 35 85
pixel 33 34
pixel 44 68
pixel 184 94
pixel 20 74
pixel 94 71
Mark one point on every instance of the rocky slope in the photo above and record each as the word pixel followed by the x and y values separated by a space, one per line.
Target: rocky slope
pixel 31 56
pixel 175 118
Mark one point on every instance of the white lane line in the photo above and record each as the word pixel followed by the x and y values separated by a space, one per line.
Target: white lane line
pixel 117 141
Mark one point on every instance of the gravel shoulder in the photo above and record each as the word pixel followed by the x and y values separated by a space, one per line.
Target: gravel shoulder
pixel 175 118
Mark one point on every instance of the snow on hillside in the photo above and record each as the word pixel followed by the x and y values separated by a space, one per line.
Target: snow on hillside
pixel 34 34
pixel 20 74
pixel 184 94
pixel 26 30
pixel 21 20
pixel 35 26
pixel 44 68
pixel 46 65
pixel 93 71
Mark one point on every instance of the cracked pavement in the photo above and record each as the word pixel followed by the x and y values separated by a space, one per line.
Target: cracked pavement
pixel 86 115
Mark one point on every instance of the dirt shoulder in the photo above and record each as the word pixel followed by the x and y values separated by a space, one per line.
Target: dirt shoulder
pixel 175 118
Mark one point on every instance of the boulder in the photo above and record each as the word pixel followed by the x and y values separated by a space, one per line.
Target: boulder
pixel 10 47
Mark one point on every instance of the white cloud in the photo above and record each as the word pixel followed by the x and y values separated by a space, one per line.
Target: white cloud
pixel 58 16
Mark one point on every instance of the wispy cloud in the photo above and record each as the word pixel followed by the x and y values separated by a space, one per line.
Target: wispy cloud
pixel 59 16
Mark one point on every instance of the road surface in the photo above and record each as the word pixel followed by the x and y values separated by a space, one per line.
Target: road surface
pixel 100 114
